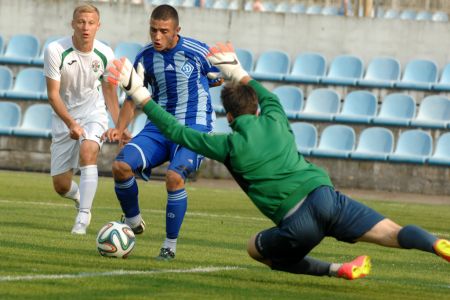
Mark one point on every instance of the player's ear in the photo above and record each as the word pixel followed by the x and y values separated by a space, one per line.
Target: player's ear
pixel 230 117
pixel 178 29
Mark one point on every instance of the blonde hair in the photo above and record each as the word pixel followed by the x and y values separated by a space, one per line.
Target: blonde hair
pixel 85 8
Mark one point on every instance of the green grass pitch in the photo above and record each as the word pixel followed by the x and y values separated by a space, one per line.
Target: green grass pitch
pixel 40 259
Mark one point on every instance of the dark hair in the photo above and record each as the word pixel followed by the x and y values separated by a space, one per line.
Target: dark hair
pixel 165 12
pixel 239 99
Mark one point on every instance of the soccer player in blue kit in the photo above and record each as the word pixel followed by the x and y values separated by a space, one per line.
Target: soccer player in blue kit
pixel 177 70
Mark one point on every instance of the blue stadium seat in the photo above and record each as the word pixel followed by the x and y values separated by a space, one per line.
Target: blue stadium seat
pixel 39 61
pixel 37 122
pixel 330 11
pixel 188 3
pixel 283 7
pixel 391 14
pixel 444 82
pixel 1 45
pixel 359 107
pixel 298 8
pixel 321 105
pixel 408 14
pixel 441 155
pixel 291 98
pixel 424 16
pixel 271 65
pixel 21 49
pixel 221 125
pixel 336 141
pixel 29 85
pixel 220 4
pixel 434 112
pixel 233 5
pixel 245 57
pixel 127 49
pixel 375 143
pixel 344 70
pixel 268 6
pixel 10 114
pixel 413 146
pixel 305 137
pixel 138 124
pixel 313 10
pixel 440 16
pixel 215 99
pixel 6 80
pixel 307 68
pixel 397 109
pixel 381 72
pixel 418 74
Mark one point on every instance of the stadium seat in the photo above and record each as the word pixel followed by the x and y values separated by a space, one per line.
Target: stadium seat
pixel 413 146
pixel 215 99
pixel 397 109
pixel 6 80
pixel 375 143
pixel 441 155
pixel 335 141
pixel 37 122
pixel 359 107
pixel 1 45
pixel 268 6
pixel 444 82
pixel 221 125
pixel 233 5
pixel 391 14
pixel 440 16
pixel 382 72
pixel 138 124
pixel 298 8
pixel 220 4
pixel 307 68
pixel 408 14
pixel 245 57
pixel 305 137
pixel 291 99
pixel 271 65
pixel 434 112
pixel 283 7
pixel 344 70
pixel 330 11
pixel 127 49
pixel 39 61
pixel 424 16
pixel 29 85
pixel 188 3
pixel 10 114
pixel 418 74
pixel 313 10
pixel 321 105
pixel 21 49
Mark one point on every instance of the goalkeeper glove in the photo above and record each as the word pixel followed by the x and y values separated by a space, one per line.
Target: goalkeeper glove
pixel 225 59
pixel 131 82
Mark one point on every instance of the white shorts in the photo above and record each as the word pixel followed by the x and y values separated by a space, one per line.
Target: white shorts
pixel 65 152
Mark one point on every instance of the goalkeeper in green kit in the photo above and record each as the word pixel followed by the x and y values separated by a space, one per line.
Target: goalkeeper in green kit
pixel 296 195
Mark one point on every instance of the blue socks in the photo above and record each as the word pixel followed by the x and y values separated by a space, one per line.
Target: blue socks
pixel 127 193
pixel 175 211
pixel 414 237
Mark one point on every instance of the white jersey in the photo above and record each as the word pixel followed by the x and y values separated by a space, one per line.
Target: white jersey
pixel 79 74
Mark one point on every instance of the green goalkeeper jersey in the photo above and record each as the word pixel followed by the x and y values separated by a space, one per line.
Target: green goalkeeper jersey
pixel 261 154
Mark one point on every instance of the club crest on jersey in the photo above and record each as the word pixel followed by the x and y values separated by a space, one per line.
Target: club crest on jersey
pixel 187 69
pixel 96 65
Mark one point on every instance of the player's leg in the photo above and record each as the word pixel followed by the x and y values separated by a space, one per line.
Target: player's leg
pixel 182 164
pixel 64 185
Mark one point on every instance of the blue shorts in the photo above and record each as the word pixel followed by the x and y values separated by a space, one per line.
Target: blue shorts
pixel 150 148
pixel 324 212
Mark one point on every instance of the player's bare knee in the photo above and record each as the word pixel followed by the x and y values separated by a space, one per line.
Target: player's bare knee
pixel 174 181
pixel 121 170
pixel 61 188
pixel 251 249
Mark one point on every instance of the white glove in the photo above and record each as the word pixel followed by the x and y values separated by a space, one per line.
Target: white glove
pixel 131 82
pixel 225 59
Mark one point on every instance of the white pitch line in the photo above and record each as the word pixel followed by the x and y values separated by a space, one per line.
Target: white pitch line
pixel 115 273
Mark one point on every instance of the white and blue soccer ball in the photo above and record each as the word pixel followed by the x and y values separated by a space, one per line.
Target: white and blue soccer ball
pixel 115 240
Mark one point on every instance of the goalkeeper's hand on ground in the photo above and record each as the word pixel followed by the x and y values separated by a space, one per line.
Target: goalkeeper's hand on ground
pixel 225 59
pixel 131 82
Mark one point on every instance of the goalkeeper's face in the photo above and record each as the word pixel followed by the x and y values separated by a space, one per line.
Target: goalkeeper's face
pixel 164 34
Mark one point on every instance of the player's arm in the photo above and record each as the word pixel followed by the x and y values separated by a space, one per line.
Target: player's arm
pixel 111 99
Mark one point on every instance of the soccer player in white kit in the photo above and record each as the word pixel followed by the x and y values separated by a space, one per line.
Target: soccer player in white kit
pixel 74 67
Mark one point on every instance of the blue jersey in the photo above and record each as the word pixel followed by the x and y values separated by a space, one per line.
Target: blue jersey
pixel 178 82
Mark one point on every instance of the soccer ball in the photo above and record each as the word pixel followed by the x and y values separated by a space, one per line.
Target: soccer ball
pixel 115 240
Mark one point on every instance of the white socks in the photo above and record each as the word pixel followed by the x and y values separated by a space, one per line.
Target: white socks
pixel 88 186
pixel 73 193
pixel 170 243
